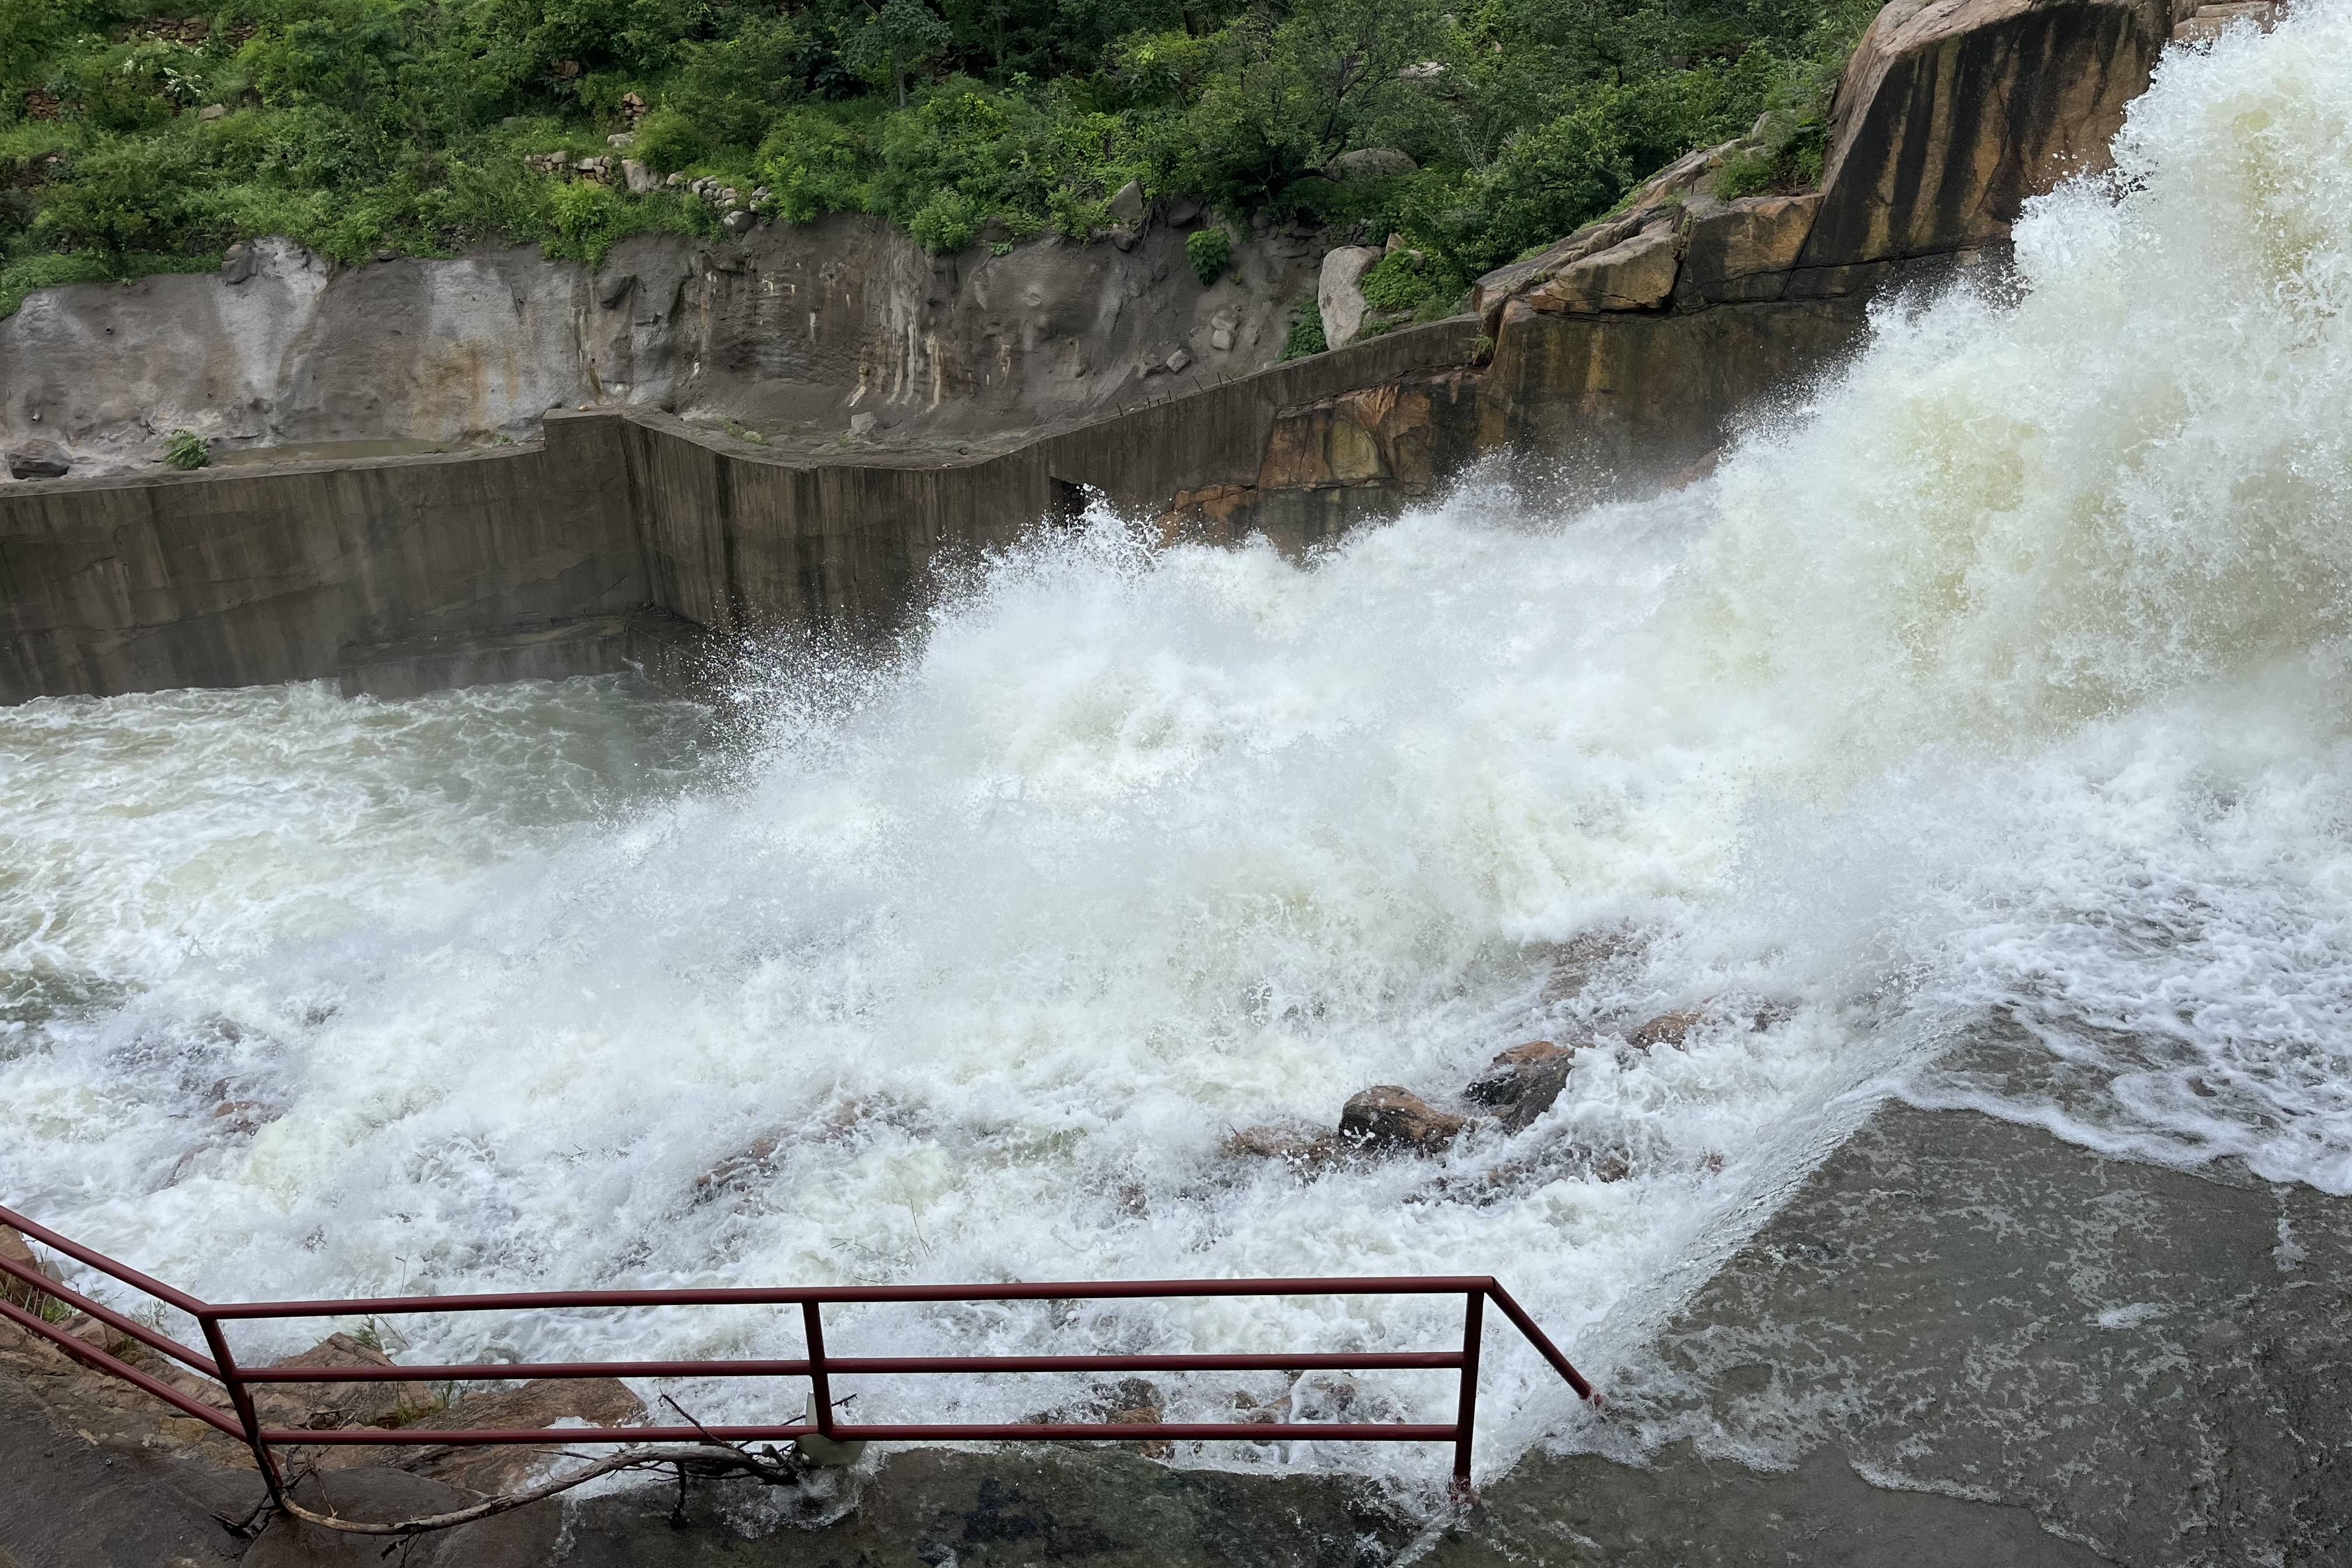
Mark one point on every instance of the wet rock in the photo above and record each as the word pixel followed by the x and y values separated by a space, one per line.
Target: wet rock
pixel 2210 22
pixel 1389 1119
pixel 39 460
pixel 1523 1082
pixel 757 1161
pixel 528 1406
pixel 1303 1149
pixel 243 1118
pixel 1338 294
pixel 1950 115
pixel 1668 1028
pixel 1637 274
pixel 1369 163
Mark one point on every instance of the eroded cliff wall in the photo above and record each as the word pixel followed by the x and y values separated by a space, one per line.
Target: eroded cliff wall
pixel 819 325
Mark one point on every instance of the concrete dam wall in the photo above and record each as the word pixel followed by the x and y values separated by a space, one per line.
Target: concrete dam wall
pixel 1625 354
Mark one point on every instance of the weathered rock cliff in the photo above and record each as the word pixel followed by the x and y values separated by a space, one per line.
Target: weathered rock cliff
pixel 819 325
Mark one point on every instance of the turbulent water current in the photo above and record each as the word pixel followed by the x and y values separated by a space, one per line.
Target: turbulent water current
pixel 1978 732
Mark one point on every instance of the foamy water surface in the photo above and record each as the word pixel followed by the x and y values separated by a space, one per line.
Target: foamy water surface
pixel 2002 683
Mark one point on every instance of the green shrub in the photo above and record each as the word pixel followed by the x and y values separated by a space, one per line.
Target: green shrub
pixel 1209 250
pixel 361 124
pixel 1305 333
pixel 187 450
pixel 667 141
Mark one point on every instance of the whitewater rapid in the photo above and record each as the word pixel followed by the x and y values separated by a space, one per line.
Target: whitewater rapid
pixel 1977 734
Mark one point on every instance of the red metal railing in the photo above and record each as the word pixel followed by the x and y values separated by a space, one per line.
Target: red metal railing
pixel 819 1368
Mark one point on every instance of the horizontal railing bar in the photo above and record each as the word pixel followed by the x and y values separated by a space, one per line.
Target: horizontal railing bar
pixel 152 1339
pixel 516 1371
pixel 1125 1431
pixel 83 1350
pixel 769 1295
pixel 101 1262
pixel 1538 1338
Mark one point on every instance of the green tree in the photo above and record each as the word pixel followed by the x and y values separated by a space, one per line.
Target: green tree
pixel 894 40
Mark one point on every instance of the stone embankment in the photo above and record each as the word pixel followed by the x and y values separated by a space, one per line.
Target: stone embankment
pixel 1623 355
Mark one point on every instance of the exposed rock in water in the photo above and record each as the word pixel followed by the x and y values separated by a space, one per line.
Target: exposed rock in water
pixel 1523 1082
pixel 1387 1120
pixel 1303 1149
pixel 1669 1028
pixel 1338 294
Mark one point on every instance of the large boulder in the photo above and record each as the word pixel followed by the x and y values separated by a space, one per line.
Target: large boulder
pixel 1369 163
pixel 1953 112
pixel 1637 274
pixel 39 460
pixel 1340 295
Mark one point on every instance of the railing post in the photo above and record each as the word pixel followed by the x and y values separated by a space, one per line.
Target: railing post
pixel 1465 1418
pixel 241 1399
pixel 820 1385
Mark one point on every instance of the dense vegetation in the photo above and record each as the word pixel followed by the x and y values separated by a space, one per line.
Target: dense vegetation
pixel 131 141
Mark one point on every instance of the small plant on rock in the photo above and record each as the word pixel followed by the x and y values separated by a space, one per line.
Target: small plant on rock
pixel 187 450
pixel 1305 333
pixel 1209 251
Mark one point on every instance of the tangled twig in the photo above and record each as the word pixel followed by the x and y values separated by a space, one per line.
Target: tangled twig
pixel 711 1456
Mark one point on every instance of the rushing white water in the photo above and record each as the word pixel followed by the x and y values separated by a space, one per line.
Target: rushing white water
pixel 1996 695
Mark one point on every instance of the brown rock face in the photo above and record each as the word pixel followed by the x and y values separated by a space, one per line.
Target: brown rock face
pixel 13 1290
pixel 1523 1082
pixel 1637 274
pixel 1952 113
pixel 1744 250
pixel 1390 1120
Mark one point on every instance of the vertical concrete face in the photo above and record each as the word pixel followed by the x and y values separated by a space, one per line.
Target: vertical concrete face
pixel 241 580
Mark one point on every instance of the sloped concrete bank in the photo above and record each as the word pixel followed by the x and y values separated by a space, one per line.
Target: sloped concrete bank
pixel 1623 355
